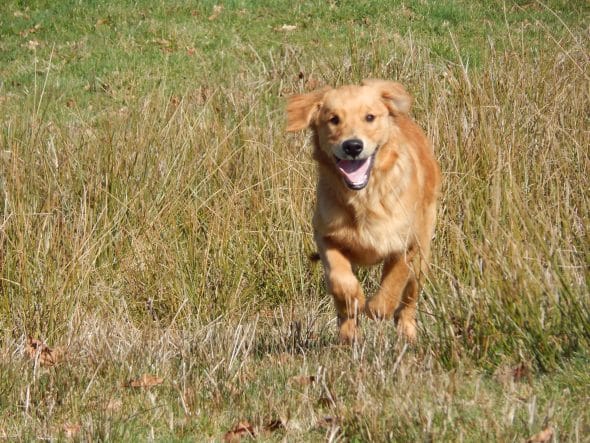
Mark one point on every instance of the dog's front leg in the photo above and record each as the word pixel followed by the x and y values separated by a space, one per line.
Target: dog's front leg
pixel 344 287
pixel 397 295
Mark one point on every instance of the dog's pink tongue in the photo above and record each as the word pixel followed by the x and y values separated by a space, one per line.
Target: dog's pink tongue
pixel 355 171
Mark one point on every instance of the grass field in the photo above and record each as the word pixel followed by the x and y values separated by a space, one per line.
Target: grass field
pixel 155 223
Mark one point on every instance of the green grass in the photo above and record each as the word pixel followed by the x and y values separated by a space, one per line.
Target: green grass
pixel 156 219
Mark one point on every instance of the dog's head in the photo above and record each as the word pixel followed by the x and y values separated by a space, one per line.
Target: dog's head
pixel 351 123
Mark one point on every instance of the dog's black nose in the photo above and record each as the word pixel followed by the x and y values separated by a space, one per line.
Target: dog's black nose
pixel 353 147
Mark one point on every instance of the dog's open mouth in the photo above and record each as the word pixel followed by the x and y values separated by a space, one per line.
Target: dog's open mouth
pixel 356 172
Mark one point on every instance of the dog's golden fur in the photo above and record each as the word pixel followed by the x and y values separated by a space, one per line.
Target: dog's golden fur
pixel 376 196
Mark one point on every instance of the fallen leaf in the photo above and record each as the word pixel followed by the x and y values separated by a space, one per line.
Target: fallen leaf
pixel 506 374
pixel 162 42
pixel 145 381
pixel 30 30
pixel 242 429
pixel 327 421
pixel 71 429
pixel 542 437
pixel 21 14
pixel 33 44
pixel 217 9
pixel 274 425
pixel 521 371
pixel 302 380
pixel 174 101
pixel 47 356
pixel 286 28
pixel 101 21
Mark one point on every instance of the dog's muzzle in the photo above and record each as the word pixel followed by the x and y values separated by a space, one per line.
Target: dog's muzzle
pixel 355 171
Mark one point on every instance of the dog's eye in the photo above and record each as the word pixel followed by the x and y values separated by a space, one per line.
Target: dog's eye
pixel 335 120
pixel 369 117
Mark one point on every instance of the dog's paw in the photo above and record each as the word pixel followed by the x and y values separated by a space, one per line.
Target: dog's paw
pixel 348 331
pixel 407 329
pixel 378 309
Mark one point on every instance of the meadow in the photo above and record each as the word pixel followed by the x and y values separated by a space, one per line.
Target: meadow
pixel 155 223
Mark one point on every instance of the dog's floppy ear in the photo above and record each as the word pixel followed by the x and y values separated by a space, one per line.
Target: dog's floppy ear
pixel 394 94
pixel 302 109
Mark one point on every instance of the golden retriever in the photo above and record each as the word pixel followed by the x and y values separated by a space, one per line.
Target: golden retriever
pixel 376 197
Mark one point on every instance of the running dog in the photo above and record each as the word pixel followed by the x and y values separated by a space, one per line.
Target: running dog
pixel 376 202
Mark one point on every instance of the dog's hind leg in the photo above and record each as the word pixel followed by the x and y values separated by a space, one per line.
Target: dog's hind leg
pixel 344 288
pixel 405 314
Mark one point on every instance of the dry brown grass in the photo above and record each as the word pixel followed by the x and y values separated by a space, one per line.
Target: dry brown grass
pixel 171 237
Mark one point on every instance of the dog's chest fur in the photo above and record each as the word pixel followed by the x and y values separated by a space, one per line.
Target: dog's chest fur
pixel 371 224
